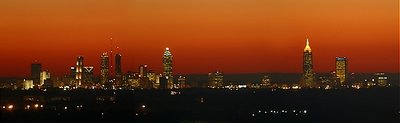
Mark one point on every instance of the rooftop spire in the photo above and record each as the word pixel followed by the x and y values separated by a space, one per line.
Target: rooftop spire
pixel 307 48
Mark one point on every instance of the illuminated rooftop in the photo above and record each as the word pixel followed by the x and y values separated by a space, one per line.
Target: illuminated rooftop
pixel 307 48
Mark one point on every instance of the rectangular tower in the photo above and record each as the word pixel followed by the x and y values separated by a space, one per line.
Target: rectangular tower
pixel 79 70
pixel 341 69
pixel 104 70
pixel 36 69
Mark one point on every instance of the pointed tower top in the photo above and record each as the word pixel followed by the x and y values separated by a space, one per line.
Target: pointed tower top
pixel 307 48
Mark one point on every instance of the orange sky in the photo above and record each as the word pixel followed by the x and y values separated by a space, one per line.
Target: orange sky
pixel 233 36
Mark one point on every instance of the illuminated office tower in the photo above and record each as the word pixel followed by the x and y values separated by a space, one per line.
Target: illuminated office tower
pixel 341 69
pixel 79 70
pixel 308 74
pixel 167 65
pixel 152 77
pixel 44 75
pixel 27 84
pixel 156 84
pixel 104 70
pixel 36 69
pixel 118 69
pixel 215 80
pixel 382 79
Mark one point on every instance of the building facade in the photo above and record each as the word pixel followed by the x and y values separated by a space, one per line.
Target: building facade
pixel 104 68
pixel 118 69
pixel 215 80
pixel 382 79
pixel 167 65
pixel 341 70
pixel 79 71
pixel 308 74
pixel 36 69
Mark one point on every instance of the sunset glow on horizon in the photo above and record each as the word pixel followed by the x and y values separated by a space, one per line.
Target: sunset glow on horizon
pixel 232 36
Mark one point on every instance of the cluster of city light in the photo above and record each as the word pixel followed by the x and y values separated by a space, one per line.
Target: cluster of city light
pixel 8 107
pixel 280 112
pixel 34 106
pixel 173 93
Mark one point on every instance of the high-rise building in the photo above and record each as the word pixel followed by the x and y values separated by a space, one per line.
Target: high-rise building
pixel 36 69
pixel 79 70
pixel 73 71
pixel 308 74
pixel 152 77
pixel 143 70
pixel 215 80
pixel 27 84
pixel 118 69
pixel 87 74
pixel 341 69
pixel 167 65
pixel 44 75
pixel 156 83
pixel 104 70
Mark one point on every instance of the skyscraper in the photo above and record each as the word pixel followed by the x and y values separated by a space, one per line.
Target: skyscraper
pixel 118 69
pixel 308 74
pixel 36 69
pixel 167 64
pixel 341 69
pixel 79 69
pixel 104 70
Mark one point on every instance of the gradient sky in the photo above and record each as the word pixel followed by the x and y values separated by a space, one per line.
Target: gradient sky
pixel 233 36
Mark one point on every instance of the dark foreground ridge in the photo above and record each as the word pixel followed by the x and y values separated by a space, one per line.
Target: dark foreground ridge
pixel 202 105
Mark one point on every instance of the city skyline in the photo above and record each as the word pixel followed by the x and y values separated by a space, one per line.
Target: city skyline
pixel 233 37
pixel 98 73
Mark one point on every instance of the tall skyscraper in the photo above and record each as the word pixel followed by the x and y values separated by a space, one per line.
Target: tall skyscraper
pixel 79 70
pixel 167 64
pixel 341 69
pixel 308 74
pixel 36 69
pixel 118 69
pixel 104 70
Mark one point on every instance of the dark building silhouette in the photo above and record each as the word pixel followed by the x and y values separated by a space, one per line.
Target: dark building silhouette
pixel 118 68
pixel 36 69
pixel 164 82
